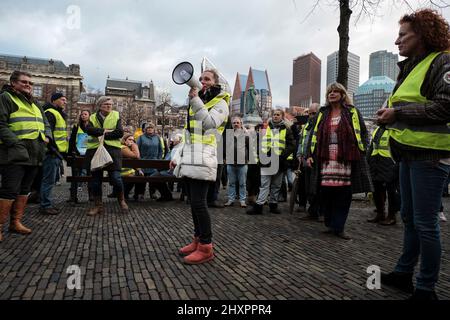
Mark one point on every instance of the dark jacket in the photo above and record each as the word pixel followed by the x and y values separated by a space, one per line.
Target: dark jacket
pixel 73 151
pixel 116 153
pixel 12 150
pixel 360 179
pixel 381 168
pixel 51 147
pixel 435 111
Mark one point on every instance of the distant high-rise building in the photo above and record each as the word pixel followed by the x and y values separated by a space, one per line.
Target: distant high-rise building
pixel 252 97
pixel 353 71
pixel 372 94
pixel 305 88
pixel 383 63
pixel 237 105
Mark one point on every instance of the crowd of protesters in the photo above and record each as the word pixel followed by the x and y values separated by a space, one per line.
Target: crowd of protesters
pixel 328 147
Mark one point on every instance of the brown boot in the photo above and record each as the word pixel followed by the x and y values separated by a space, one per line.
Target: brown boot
pixel 5 208
pixel 204 253
pixel 122 203
pixel 98 209
pixel 188 249
pixel 17 212
pixel 379 217
pixel 390 220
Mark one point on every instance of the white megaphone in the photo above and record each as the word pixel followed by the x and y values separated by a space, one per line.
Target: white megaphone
pixel 184 74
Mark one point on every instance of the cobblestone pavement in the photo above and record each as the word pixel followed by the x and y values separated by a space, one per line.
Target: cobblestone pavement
pixel 134 256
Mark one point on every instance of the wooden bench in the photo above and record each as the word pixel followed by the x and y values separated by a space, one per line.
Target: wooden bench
pixel 79 162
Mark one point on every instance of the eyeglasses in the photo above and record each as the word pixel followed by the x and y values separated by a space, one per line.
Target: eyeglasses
pixel 236 122
pixel 26 82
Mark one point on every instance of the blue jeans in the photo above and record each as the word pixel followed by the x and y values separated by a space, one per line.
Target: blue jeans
pixel 50 167
pixel 421 185
pixel 237 173
pixel 114 176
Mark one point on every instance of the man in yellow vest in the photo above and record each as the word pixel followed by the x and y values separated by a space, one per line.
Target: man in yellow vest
pixel 278 141
pixel 54 112
pixel 418 119
pixel 24 131
pixel 384 174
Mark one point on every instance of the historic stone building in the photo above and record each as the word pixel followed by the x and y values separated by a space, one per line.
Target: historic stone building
pixel 135 100
pixel 49 76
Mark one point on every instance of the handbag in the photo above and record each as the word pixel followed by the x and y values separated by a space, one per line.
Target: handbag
pixel 101 157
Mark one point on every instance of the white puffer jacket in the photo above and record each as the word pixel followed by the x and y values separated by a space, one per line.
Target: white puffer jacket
pixel 199 161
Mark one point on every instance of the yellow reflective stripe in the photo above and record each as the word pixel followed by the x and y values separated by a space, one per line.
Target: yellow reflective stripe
pixel 24 119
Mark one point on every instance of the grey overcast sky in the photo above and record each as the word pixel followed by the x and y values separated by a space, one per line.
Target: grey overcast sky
pixel 144 39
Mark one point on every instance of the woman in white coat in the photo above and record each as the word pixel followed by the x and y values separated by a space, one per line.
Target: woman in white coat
pixel 207 116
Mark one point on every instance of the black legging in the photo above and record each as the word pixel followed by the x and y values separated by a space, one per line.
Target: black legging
pixel 198 190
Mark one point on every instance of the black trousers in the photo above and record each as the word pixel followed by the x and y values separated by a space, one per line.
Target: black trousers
pixel 16 180
pixel 253 179
pixel 334 206
pixel 393 196
pixel 198 190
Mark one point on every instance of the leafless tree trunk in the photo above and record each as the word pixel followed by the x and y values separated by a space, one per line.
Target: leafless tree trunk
pixel 344 39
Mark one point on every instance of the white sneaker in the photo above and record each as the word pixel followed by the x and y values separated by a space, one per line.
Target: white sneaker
pixel 229 203
pixel 442 217
pixel 243 204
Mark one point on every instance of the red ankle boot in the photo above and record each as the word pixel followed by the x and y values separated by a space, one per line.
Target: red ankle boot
pixel 204 253
pixel 190 247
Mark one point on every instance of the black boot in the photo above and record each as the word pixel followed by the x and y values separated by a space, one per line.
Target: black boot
pixel 379 217
pixel 423 295
pixel 274 208
pixel 255 209
pixel 399 280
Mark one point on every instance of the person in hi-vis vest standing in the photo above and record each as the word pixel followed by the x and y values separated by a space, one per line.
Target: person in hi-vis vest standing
pixel 106 122
pixel 418 119
pixel 59 145
pixel 24 132
pixel 207 117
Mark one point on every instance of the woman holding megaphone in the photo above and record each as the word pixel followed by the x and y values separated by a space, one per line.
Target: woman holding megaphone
pixel 197 163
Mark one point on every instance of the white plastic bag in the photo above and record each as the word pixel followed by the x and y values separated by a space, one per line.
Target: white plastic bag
pixel 177 159
pixel 101 158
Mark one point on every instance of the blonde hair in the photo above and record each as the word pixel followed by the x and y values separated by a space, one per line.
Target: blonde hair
pixel 341 89
pixel 125 137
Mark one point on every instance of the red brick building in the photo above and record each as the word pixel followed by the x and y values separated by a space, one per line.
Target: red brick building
pixel 306 77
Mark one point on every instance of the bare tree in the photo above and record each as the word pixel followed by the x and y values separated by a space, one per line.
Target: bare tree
pixel 363 9
pixel 163 106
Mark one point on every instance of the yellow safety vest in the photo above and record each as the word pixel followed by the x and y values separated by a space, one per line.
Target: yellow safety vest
pixel 196 126
pixel 356 129
pixel 432 136
pixel 381 147
pixel 60 131
pixel 27 122
pixel 275 140
pixel 109 123
pixel 163 147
